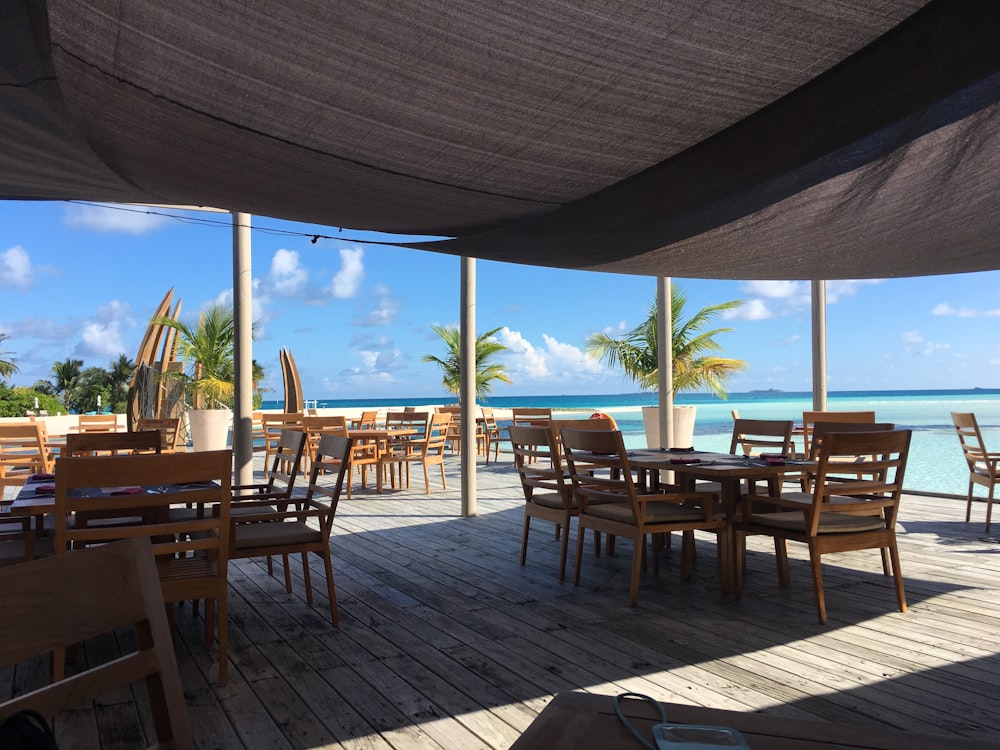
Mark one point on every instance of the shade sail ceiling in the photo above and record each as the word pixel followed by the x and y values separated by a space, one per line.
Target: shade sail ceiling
pixel 705 138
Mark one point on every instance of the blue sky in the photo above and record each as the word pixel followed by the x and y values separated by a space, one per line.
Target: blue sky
pixel 82 281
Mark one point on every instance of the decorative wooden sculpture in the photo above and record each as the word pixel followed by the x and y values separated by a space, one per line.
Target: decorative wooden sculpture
pixel 149 395
pixel 292 382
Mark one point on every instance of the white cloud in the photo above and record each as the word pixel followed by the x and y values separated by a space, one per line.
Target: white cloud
pixel 932 347
pixel 384 311
pixel 943 308
pixel 127 220
pixel 791 340
pixel 753 309
pixel 838 288
pixel 103 336
pixel 911 337
pixel 346 282
pixel 523 358
pixel 287 277
pixel 15 268
pixel 568 358
pixel 775 289
pixel 615 331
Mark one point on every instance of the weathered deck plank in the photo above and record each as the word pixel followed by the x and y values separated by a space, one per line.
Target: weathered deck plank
pixel 446 641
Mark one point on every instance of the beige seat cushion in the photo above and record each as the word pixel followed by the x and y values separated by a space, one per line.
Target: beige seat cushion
pixel 249 535
pixel 656 512
pixel 829 523
pixel 549 500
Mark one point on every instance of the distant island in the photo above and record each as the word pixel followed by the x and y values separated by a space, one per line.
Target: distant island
pixel 768 390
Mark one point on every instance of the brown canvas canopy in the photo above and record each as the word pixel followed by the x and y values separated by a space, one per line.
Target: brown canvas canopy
pixel 708 138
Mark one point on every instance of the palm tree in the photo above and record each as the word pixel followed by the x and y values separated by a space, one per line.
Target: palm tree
pixel 67 375
pixel 119 377
pixel 208 350
pixel 7 363
pixel 451 366
pixel 694 364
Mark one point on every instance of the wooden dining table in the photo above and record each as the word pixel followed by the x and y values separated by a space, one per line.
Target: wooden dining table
pixel 585 720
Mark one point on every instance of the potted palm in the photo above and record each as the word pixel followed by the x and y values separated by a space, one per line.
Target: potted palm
pixel 208 379
pixel 695 363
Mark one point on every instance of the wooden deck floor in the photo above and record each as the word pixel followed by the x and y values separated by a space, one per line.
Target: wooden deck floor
pixel 446 642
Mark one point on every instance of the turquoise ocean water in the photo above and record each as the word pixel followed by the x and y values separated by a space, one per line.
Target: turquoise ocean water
pixel 935 464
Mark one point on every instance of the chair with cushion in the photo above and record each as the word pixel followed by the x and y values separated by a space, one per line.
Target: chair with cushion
pixel 112 443
pixel 548 493
pixel 301 530
pixel 610 502
pixel 984 467
pixel 168 428
pixel 840 516
pixel 52 604
pixel 315 427
pixel 191 551
pixel 279 479
pixel 273 424
pixel 427 450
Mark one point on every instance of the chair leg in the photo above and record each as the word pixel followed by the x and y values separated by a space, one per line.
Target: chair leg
pixel 897 573
pixel 307 578
pixel 989 508
pixel 638 547
pixel 580 534
pixel 524 537
pixel 223 640
pixel 288 574
pixel 817 576
pixel 739 561
pixel 968 504
pixel 331 590
pixel 209 622
pixel 564 551
pixel 444 481
pixel 687 554
pixel 781 556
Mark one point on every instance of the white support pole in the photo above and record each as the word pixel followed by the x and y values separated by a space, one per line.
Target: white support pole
pixel 819 345
pixel 665 360
pixel 243 350
pixel 467 333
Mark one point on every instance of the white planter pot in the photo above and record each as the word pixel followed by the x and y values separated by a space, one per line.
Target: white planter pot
pixel 683 426
pixel 210 428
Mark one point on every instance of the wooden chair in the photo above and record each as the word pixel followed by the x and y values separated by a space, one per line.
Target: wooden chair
pixel 301 530
pixel 408 419
pixel 54 603
pixel 610 502
pixel 492 436
pixel 273 424
pixel 454 426
pixel 315 428
pixel 168 429
pixel 367 421
pixel 96 423
pixel 191 552
pixel 279 479
pixel 809 418
pixel 257 431
pixel 428 451
pixel 984 467
pixel 548 493
pixel 112 443
pixel 19 541
pixel 751 437
pixel 840 516
pixel 22 453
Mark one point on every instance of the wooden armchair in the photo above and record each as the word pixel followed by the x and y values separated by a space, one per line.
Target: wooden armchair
pixel 168 429
pixel 427 450
pixel 306 529
pixel 809 418
pixel 454 426
pixel 315 428
pixel 112 443
pixel 840 516
pixel 984 467
pixel 273 424
pixel 51 604
pixel 191 551
pixel 548 493
pixel 610 502
pixel 492 437
pixel 279 479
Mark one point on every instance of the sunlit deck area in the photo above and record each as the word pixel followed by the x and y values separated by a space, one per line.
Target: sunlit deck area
pixel 447 642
